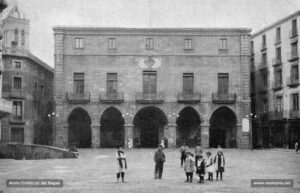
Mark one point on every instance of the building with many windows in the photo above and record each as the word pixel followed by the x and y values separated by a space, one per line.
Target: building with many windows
pixel 150 84
pixel 275 83
pixel 27 83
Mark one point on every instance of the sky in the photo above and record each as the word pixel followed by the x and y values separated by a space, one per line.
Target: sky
pixel 44 14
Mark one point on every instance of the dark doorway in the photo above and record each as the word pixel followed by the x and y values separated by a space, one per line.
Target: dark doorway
pixel 112 128
pixel 223 128
pixel 79 128
pixel 149 125
pixel 188 127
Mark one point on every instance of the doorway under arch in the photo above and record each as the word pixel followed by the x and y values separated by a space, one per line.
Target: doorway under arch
pixel 188 127
pixel 79 129
pixel 149 123
pixel 111 128
pixel 223 130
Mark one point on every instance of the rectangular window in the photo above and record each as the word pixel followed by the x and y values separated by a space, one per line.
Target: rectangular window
pixel 294 49
pixel 188 44
pixel 265 79
pixel 279 105
pixel 223 44
pixel 17 64
pixel 17 110
pixel 17 134
pixel 264 41
pixel 79 83
pixel 149 82
pixel 223 81
pixel 278 35
pixel 78 43
pixel 112 83
pixel 295 72
pixel 149 43
pixel 42 91
pixel 294 27
pixel 278 54
pixel 112 43
pixel 188 83
pixel 278 77
pixel 17 82
pixel 265 106
pixel 264 59
pixel 252 47
pixel 295 101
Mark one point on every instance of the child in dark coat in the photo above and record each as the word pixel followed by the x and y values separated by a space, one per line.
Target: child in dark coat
pixel 220 164
pixel 159 159
pixel 200 168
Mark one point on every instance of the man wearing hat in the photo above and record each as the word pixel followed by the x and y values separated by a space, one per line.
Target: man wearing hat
pixel 159 159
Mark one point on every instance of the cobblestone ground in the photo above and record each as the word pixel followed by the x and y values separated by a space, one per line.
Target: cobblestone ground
pixel 95 170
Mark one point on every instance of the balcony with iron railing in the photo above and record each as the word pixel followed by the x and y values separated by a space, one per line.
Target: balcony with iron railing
pixel 111 97
pixel 78 98
pixel 293 81
pixel 292 56
pixel 223 98
pixel 189 98
pixel 293 34
pixel 294 113
pixel 276 114
pixel 277 85
pixel 5 107
pixel 9 92
pixel 276 62
pixel 149 98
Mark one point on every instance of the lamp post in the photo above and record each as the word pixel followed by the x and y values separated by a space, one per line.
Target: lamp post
pixel 250 117
pixel 53 115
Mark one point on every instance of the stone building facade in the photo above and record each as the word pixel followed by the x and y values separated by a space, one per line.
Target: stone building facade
pixel 27 83
pixel 147 84
pixel 275 83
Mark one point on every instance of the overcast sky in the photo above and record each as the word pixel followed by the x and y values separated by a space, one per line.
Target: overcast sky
pixel 44 14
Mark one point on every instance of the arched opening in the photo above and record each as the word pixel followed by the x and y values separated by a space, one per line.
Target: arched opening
pixel 79 128
pixel 188 127
pixel 222 129
pixel 112 128
pixel 149 124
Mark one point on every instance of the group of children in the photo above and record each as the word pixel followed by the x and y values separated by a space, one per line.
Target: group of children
pixel 201 165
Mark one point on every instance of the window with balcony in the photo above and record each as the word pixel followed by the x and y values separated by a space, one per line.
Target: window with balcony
pixel 17 134
pixel 264 59
pixel 149 43
pixel 294 50
pixel 223 83
pixel 278 35
pixel 264 42
pixel 188 44
pixel 279 105
pixel 295 73
pixel 149 82
pixel 79 83
pixel 294 28
pixel 278 55
pixel 295 102
pixel 265 79
pixel 223 44
pixel 112 43
pixel 78 43
pixel 17 113
pixel 278 78
pixel 112 83
pixel 17 82
pixel 188 83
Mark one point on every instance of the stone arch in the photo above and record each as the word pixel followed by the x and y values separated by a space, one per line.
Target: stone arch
pixel 79 128
pixel 188 127
pixel 149 123
pixel 223 128
pixel 112 131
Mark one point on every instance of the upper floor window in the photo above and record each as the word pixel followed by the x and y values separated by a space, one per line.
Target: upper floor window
pixel 79 83
pixel 278 35
pixel 78 43
pixel 252 47
pixel 17 82
pixel 149 43
pixel 16 35
pixel 279 105
pixel 112 82
pixel 264 42
pixel 278 77
pixel 149 82
pixel 265 79
pixel 112 43
pixel 188 83
pixel 17 110
pixel 294 28
pixel 188 44
pixel 295 102
pixel 223 44
pixel 17 64
pixel 278 54
pixel 294 49
pixel 265 106
pixel 223 83
pixel 23 37
pixel 42 91
pixel 295 72
pixel 264 59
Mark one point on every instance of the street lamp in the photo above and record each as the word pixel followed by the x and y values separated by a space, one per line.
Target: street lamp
pixel 250 117
pixel 53 115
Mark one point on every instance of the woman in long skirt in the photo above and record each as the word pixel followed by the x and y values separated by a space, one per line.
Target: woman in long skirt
pixel 121 163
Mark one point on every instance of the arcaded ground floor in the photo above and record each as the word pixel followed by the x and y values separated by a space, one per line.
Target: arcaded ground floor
pixel 95 172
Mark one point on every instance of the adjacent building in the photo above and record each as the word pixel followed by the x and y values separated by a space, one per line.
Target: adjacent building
pixel 150 84
pixel 27 82
pixel 275 83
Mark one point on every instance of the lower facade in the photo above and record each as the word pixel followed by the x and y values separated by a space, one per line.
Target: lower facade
pixel 146 125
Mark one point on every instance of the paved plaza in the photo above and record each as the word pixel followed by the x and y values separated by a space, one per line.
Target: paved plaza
pixel 95 171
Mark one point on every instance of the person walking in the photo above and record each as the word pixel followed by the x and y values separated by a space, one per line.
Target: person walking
pixel 159 159
pixel 209 164
pixel 200 165
pixel 219 164
pixel 189 166
pixel 121 163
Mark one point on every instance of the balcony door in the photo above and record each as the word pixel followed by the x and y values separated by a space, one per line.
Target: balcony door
pixel 223 82
pixel 79 84
pixel 149 84
pixel 188 83
pixel 112 85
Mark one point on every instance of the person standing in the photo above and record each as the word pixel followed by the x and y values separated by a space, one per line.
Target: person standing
pixel 198 153
pixel 183 149
pixel 209 164
pixel 200 165
pixel 159 159
pixel 220 164
pixel 121 163
pixel 189 166
pixel 296 146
